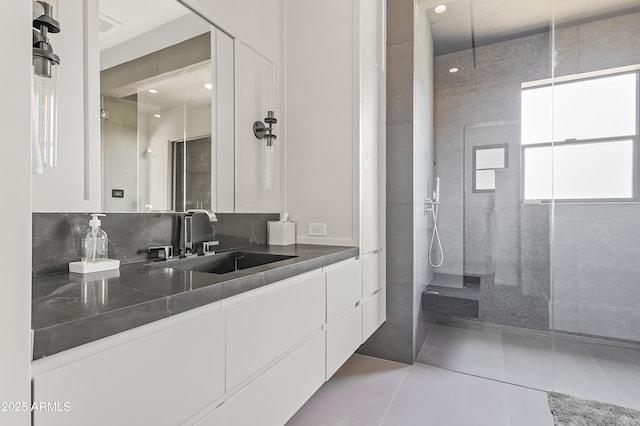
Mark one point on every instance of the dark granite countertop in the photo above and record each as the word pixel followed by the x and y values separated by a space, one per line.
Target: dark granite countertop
pixel 70 309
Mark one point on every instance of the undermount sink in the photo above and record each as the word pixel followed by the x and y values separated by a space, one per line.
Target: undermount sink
pixel 223 263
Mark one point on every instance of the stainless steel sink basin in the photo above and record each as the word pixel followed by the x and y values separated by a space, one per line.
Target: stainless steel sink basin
pixel 223 263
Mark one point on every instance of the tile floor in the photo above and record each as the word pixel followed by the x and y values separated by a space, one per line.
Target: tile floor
pixel 370 391
pixel 582 368
pixel 470 374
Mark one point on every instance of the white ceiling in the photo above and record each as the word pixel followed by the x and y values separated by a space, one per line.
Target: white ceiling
pixel 491 21
pixel 175 89
pixel 136 17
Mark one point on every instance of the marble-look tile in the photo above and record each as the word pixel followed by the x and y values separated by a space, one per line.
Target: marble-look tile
pixel 473 350
pixel 57 237
pixel 358 394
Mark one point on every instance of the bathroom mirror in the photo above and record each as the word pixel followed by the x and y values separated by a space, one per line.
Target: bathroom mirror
pixel 166 100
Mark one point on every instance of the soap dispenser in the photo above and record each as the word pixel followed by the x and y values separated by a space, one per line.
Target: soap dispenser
pixel 95 241
pixel 94 250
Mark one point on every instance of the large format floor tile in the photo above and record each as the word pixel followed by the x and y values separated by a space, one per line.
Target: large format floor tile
pixel 587 370
pixel 470 350
pixel 528 360
pixel 358 394
pixel 621 366
pixel 433 396
pixel 370 391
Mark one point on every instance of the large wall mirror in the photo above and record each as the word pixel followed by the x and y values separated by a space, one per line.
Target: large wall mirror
pixel 146 110
pixel 167 102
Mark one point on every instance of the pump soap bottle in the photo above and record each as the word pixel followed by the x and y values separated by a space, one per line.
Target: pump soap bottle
pixel 95 244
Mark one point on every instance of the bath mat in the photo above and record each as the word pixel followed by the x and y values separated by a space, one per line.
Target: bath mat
pixel 570 411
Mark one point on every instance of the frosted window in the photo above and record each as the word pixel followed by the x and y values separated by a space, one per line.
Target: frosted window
pixel 586 109
pixel 492 158
pixel 485 180
pixel 580 171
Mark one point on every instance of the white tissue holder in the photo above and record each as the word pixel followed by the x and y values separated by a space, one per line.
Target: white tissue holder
pixel 281 233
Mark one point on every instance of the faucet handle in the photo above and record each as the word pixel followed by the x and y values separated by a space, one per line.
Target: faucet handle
pixel 208 246
pixel 167 250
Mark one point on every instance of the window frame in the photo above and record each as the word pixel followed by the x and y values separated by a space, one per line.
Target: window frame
pixel 476 148
pixel 635 182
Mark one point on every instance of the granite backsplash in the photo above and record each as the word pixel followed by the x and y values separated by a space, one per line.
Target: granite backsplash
pixel 57 237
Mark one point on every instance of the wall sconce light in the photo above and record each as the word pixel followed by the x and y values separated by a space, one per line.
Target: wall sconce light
pixel 44 103
pixel 263 132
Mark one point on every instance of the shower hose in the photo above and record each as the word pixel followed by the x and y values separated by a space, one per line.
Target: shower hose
pixel 435 238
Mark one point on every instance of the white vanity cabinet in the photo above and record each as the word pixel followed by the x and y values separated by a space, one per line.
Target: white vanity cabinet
pixel 275 396
pixel 162 378
pixel 252 359
pixel 344 313
pixel 263 327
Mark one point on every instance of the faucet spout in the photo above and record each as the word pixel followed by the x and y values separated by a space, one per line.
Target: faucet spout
pixel 188 227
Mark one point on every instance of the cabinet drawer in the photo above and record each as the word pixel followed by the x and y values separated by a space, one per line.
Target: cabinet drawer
pixel 159 379
pixel 343 338
pixel 374 313
pixel 344 288
pixel 262 328
pixel 372 279
pixel 277 394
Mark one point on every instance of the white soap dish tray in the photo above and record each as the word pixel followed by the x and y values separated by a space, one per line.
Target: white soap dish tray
pixel 89 267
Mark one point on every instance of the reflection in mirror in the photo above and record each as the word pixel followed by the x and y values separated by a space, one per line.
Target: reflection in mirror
pixel 160 93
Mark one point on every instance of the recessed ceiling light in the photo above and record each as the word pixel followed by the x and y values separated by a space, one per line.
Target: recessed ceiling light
pixel 453 70
pixel 440 9
pixel 156 115
pixel 208 86
pixel 153 91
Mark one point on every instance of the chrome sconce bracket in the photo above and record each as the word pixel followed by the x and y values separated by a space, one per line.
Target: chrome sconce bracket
pixel 261 131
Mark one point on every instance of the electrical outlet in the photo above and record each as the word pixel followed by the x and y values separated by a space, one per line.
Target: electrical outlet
pixel 318 229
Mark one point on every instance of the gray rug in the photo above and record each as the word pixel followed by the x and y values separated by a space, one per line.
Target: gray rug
pixel 570 411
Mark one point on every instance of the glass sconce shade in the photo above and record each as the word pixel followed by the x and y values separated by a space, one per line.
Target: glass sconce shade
pixel 45 120
pixel 268 166
pixel 44 103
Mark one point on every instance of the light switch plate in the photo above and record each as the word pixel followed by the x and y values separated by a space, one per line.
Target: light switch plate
pixel 318 229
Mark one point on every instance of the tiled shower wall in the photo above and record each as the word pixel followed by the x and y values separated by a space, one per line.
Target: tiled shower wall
pixel 495 234
pixel 409 171
pixel 57 236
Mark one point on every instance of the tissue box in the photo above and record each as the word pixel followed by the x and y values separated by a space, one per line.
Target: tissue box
pixel 281 233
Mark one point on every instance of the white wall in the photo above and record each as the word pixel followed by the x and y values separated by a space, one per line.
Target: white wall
pixel 321 121
pixel 75 98
pixel 255 22
pixel 15 226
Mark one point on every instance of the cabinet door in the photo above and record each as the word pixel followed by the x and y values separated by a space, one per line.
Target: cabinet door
pixel 372 279
pixel 344 288
pixel 277 394
pixel 264 327
pixel 374 313
pixel 160 379
pixel 343 338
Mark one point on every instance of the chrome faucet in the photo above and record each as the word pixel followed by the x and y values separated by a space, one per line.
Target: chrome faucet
pixel 188 230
